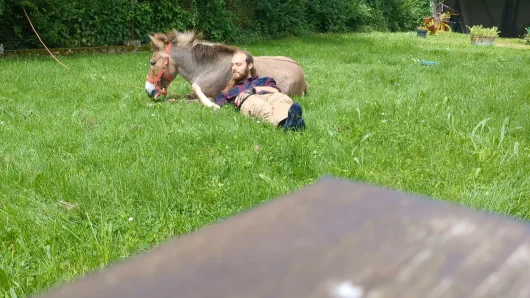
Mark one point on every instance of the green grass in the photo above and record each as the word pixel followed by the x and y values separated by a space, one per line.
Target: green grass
pixel 85 150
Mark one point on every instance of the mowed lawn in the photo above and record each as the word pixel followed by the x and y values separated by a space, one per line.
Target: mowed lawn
pixel 92 171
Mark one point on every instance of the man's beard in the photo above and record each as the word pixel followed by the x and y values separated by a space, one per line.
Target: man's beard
pixel 240 76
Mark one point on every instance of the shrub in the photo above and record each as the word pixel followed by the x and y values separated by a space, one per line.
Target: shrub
pixel 65 23
pixel 398 15
pixel 480 31
pixel 278 18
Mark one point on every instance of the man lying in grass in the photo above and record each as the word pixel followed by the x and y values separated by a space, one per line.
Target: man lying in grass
pixel 257 97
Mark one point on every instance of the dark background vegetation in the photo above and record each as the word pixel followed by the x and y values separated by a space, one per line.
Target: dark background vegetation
pixel 86 23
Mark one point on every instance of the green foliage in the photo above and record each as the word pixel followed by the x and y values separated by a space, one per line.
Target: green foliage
pixel 279 18
pixel 332 16
pixel 398 15
pixel 215 20
pixel 479 30
pixel 63 23
pixel 527 36
pixel 160 16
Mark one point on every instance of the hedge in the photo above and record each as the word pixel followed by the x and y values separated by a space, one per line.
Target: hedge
pixel 65 23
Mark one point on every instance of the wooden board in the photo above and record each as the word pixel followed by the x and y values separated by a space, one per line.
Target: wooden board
pixel 334 238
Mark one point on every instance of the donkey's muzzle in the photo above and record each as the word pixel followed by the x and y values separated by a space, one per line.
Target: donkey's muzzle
pixel 151 90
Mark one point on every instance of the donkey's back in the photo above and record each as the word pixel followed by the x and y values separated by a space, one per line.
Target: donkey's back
pixel 287 73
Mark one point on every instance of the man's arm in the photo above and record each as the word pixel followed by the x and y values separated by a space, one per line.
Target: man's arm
pixel 266 88
pixel 268 85
pixel 264 84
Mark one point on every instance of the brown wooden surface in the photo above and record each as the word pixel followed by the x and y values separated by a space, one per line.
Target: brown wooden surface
pixel 335 234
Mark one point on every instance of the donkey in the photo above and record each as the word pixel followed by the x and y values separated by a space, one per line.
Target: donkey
pixel 207 66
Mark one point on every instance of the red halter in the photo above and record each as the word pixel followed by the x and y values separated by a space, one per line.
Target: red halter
pixel 162 73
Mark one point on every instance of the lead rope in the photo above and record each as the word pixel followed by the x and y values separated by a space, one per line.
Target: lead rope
pixel 42 41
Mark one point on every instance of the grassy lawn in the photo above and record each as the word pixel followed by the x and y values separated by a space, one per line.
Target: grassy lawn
pixel 92 171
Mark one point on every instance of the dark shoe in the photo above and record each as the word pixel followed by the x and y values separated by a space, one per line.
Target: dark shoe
pixel 294 119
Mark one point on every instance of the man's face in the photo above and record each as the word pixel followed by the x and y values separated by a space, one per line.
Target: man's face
pixel 240 68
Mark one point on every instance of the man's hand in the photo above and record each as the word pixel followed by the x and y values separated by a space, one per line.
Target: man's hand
pixel 242 96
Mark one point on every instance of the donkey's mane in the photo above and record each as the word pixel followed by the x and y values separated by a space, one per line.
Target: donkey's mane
pixel 201 50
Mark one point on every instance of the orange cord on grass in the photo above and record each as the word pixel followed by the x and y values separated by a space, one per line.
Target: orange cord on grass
pixel 42 41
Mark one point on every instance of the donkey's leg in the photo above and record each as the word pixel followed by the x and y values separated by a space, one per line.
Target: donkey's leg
pixel 189 98
pixel 192 97
pixel 202 97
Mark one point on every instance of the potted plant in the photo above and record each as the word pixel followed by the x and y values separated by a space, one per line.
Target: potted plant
pixel 483 36
pixel 422 31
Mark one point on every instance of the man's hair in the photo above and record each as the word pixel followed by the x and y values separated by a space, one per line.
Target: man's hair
pixel 248 60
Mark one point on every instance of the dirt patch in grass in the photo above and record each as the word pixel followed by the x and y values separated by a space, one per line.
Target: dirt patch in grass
pixel 513 46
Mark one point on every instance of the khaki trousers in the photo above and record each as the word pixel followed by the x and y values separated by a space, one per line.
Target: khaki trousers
pixel 271 107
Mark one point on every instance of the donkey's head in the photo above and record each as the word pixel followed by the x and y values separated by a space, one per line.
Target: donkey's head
pixel 162 70
pixel 185 53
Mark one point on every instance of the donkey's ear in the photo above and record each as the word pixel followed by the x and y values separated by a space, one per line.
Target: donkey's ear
pixel 156 42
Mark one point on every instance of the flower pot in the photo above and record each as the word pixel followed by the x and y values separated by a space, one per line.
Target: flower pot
pixel 422 33
pixel 482 40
